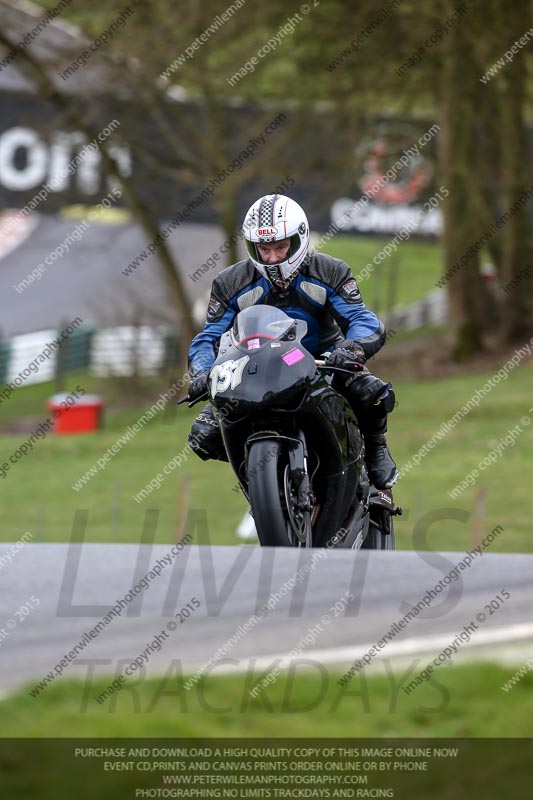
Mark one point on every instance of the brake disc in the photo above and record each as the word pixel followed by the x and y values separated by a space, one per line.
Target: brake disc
pixel 296 517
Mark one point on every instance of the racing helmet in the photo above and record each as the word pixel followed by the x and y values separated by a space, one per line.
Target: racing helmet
pixel 273 218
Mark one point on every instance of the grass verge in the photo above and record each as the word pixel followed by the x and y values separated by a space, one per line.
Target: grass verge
pixel 39 496
pixel 459 701
pixel 405 276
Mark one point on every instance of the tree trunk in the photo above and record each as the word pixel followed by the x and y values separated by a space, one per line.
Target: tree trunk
pixel 467 292
pixel 517 260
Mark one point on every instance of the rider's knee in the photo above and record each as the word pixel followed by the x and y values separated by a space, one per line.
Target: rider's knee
pixel 369 392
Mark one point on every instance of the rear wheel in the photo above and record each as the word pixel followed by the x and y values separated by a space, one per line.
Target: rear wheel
pixel 278 520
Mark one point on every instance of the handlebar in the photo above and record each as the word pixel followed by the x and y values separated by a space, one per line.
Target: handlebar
pixel 192 403
pixel 320 363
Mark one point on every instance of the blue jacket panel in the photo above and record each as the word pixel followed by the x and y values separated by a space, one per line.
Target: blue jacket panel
pixel 324 294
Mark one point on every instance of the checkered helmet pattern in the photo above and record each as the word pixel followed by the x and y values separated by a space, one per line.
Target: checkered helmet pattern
pixel 266 211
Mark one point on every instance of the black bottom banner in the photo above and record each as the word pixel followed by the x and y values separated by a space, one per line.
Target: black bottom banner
pixel 56 769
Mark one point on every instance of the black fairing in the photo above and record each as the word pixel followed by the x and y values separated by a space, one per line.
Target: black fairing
pixel 271 368
pixel 272 386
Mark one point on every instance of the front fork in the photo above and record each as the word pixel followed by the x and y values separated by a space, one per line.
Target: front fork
pixel 297 449
pixel 299 474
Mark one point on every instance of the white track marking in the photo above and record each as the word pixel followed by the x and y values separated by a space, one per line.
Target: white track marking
pixel 407 647
pixel 14 230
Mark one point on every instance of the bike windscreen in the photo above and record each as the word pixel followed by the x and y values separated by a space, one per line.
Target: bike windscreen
pixel 260 324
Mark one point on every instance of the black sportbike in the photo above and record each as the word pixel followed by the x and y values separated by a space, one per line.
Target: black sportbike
pixel 293 440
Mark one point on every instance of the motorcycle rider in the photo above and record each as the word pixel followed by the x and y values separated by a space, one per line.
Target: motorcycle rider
pixel 281 271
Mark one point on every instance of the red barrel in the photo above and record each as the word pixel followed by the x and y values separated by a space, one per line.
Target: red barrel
pixel 76 414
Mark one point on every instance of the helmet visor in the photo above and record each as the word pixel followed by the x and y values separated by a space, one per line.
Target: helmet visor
pixel 294 245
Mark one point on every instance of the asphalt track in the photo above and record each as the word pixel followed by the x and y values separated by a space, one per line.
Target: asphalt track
pixel 88 280
pixel 231 583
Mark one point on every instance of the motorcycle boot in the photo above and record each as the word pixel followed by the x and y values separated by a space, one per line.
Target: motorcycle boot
pixel 372 399
pixel 205 438
pixel 381 467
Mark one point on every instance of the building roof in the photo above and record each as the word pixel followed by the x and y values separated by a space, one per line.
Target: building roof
pixel 57 45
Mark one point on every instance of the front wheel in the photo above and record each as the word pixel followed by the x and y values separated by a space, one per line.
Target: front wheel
pixel 278 520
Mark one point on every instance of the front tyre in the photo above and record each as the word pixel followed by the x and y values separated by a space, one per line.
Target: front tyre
pixel 278 521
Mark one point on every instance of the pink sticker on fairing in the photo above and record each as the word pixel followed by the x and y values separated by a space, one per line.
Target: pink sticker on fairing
pixel 293 356
pixel 254 344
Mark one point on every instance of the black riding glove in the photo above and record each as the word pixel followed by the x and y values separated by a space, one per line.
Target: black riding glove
pixel 198 385
pixel 347 355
